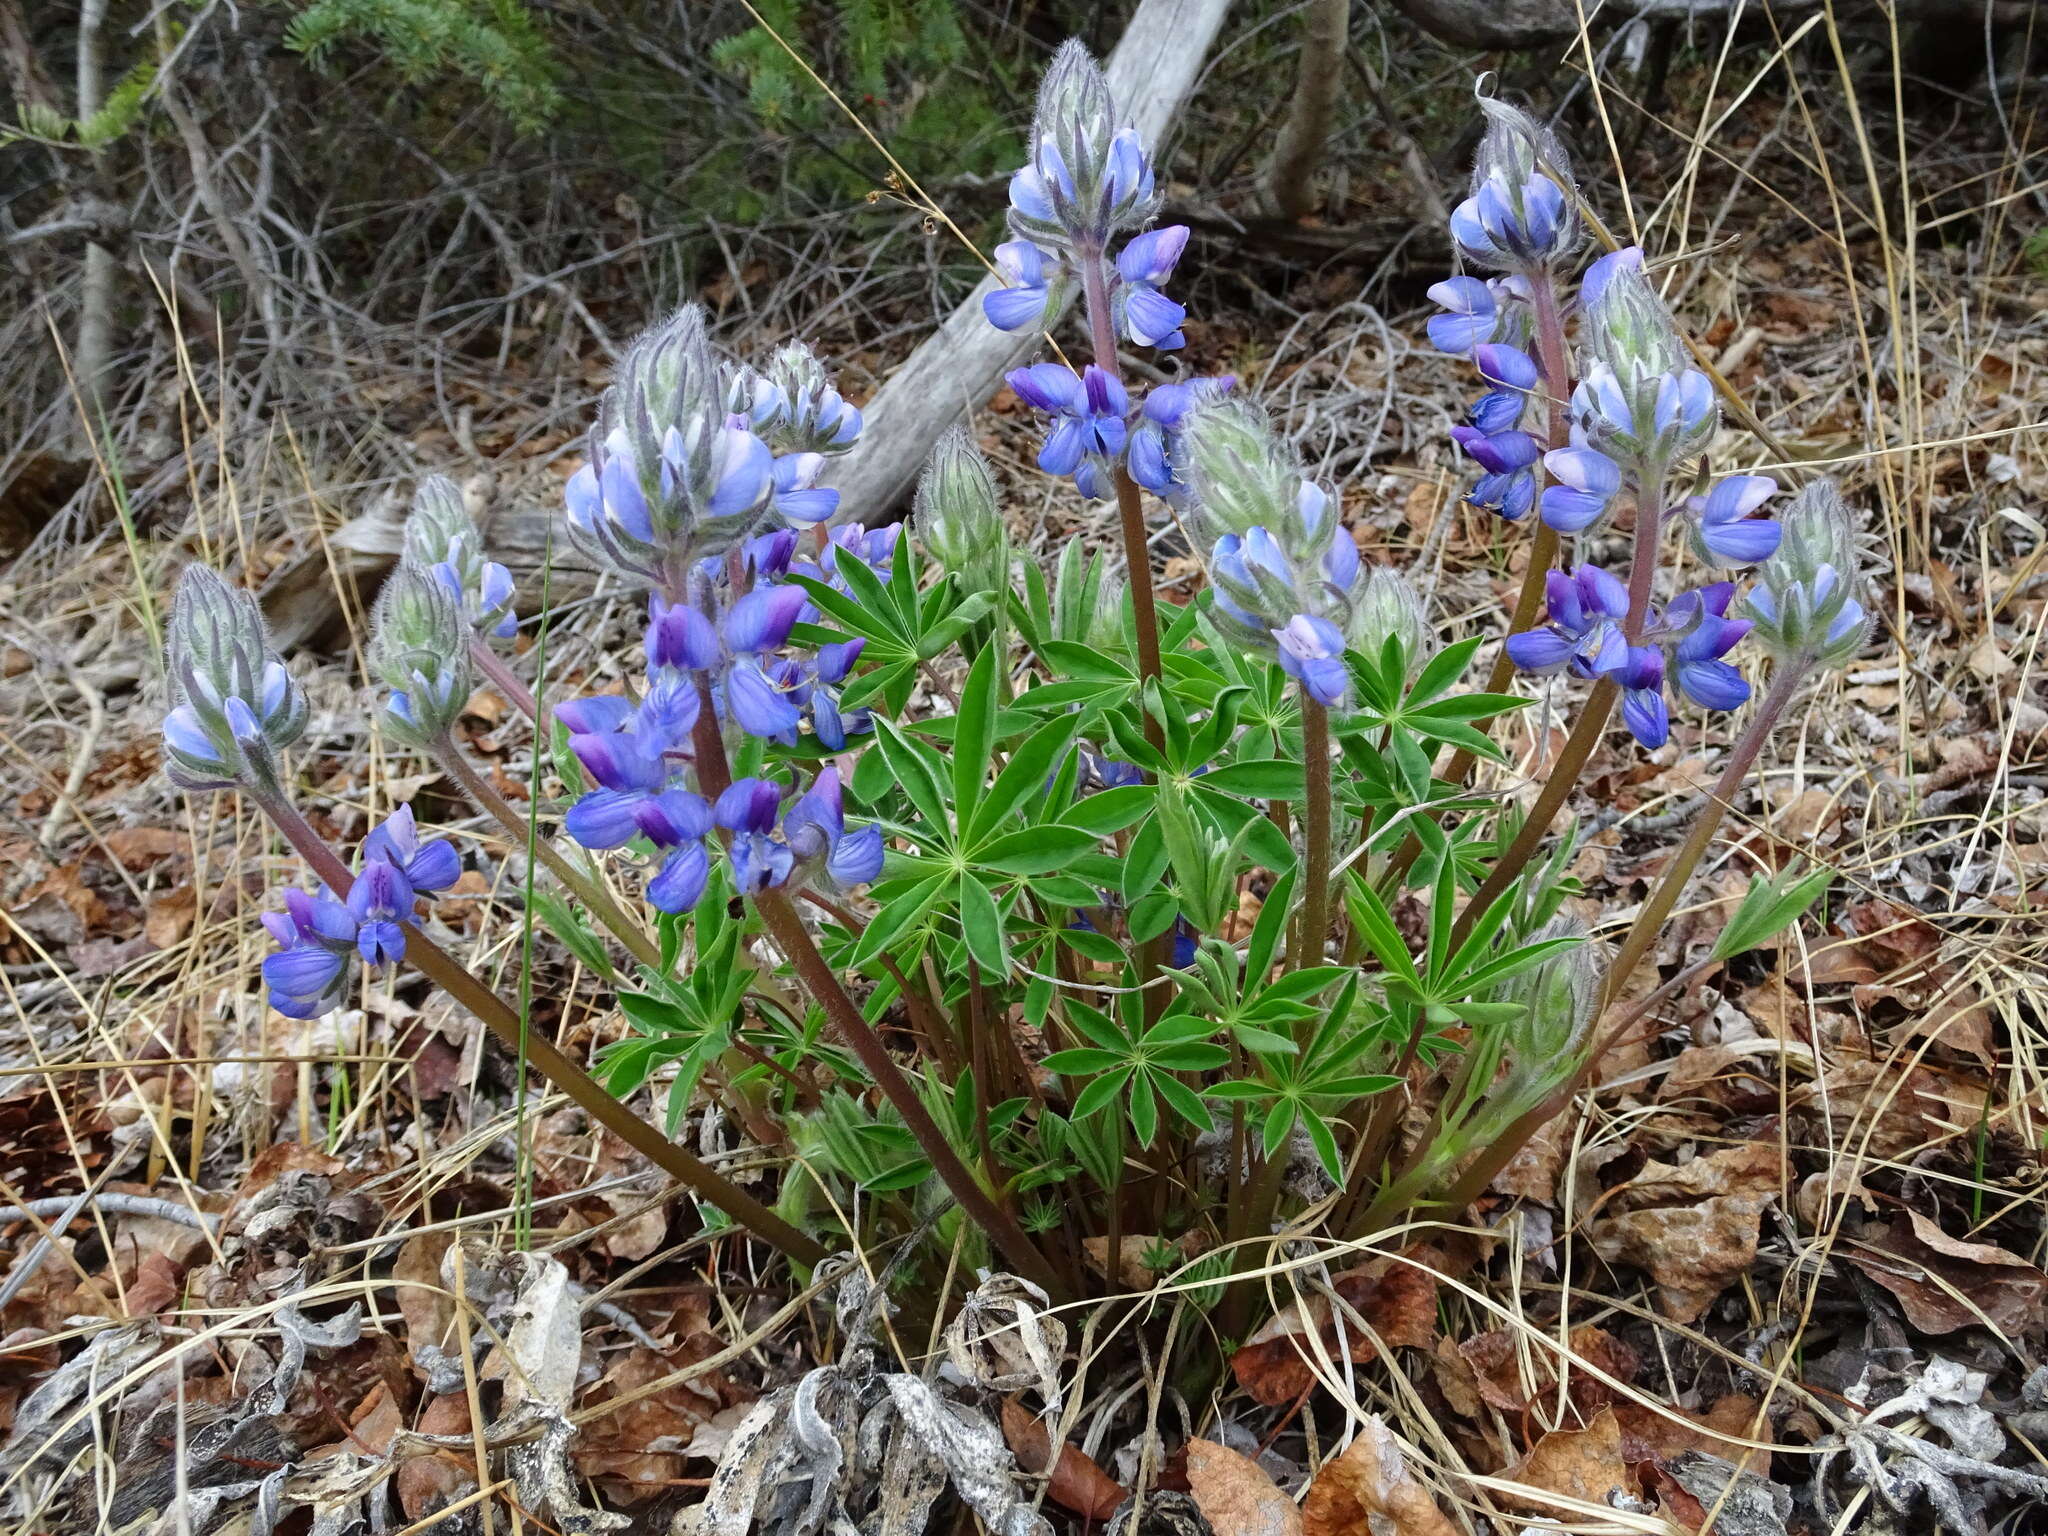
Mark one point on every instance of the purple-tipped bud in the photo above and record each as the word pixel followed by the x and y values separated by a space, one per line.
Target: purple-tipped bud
pixel 234 707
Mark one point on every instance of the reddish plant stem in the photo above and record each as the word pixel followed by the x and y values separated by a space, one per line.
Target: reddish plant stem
pixel 714 775
pixel 1129 505
pixel 502 678
pixel 1315 832
pixel 548 1059
pixel 1642 933
pixel 794 940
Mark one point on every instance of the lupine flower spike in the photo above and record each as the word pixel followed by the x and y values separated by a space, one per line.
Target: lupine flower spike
pixel 233 705
pixel 441 536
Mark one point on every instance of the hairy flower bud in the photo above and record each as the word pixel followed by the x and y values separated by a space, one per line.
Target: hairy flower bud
pixel 1640 399
pixel 419 646
pixel 1278 547
pixel 234 707
pixel 442 536
pixel 1520 214
pixel 1806 605
pixel 1087 178
pixel 956 508
pixel 796 408
pixel 1387 607
pixel 673 477
pixel 1546 1042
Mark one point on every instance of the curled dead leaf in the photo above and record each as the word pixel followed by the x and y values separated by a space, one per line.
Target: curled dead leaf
pixel 1076 1483
pixel 1369 1491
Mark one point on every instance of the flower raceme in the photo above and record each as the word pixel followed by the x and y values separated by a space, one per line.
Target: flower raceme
pixel 1519 216
pixel 1088 177
pixel 317 934
pixel 234 707
pixel 1684 647
pixel 441 536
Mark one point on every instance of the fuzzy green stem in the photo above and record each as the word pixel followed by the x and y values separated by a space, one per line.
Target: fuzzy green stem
pixel 1642 933
pixel 593 895
pixel 794 940
pixel 548 1059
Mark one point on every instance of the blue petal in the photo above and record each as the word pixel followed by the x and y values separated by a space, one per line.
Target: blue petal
pixel 605 818
pixel 680 883
pixel 1014 309
pixel 1643 712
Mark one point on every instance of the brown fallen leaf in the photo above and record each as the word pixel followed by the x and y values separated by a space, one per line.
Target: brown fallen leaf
pixel 435 1479
pixel 1585 1465
pixel 1369 1491
pixel 1395 1296
pixel 1692 1251
pixel 1236 1495
pixel 1944 1283
pixel 1499 1374
pixel 1076 1483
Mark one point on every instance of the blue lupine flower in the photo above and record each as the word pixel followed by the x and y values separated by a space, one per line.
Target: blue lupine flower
pixel 1585 608
pixel 1508 488
pixel 815 828
pixel 1642 696
pixel 1154 459
pixel 679 884
pixel 235 706
pixel 1724 533
pixel 1312 653
pixel 441 535
pixel 680 635
pixel 396 870
pixel 1088 413
pixel 748 809
pixel 315 934
pixel 1029 275
pixel 1517 217
pixel 1702 633
pixel 1087 178
pixel 672 476
pixel 798 496
pixel 829 668
pixel 1584 484
pixel 1145 314
pixel 1471 314
pixel 1498 410
pixel 874 548
pixel 1506 367
pixel 797 409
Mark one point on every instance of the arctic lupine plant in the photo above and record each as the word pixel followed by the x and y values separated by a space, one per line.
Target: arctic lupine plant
pixel 1023 912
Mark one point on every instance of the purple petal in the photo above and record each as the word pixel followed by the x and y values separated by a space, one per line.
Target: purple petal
pixel 595 715
pixel 761 620
pixel 1711 684
pixel 624 502
pixel 1539 650
pixel 1643 712
pixel 1742 543
pixel 435 867
pixel 857 858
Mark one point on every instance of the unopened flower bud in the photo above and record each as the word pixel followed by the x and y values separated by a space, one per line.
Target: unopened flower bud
pixel 1087 177
pixel 234 707
pixel 419 646
pixel 1241 474
pixel 1388 607
pixel 804 413
pixel 673 477
pixel 442 536
pixel 1520 214
pixel 1806 605
pixel 956 509
pixel 1640 399
pixel 1561 999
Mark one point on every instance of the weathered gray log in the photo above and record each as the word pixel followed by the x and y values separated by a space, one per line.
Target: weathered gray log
pixel 956 368
pixel 1512 24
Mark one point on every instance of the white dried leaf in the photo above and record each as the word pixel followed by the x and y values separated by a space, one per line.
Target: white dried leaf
pixel 1003 1339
